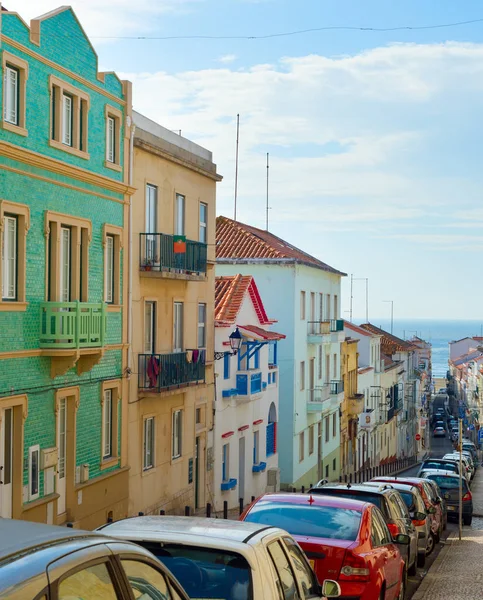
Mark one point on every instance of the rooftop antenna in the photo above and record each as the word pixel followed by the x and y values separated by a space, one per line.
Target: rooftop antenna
pixel 268 169
pixel 236 159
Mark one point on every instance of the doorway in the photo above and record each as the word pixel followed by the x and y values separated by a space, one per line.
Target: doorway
pixel 197 472
pixel 61 445
pixel 6 462
pixel 241 467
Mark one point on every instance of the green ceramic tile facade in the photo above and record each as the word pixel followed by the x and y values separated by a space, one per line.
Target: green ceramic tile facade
pixel 63 42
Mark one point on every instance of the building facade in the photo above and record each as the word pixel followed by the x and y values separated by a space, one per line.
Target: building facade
pixel 247 388
pixel 351 408
pixel 64 198
pixel 171 397
pixel 311 388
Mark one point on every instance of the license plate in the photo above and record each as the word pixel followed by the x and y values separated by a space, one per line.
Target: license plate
pixel 312 564
pixel 451 508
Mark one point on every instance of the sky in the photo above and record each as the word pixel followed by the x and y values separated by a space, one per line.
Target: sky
pixel 375 138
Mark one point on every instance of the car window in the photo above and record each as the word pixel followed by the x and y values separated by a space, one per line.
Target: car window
pixel 91 583
pixel 381 525
pixel 306 577
pixel 394 506
pixel 306 520
pixel 409 500
pixel 286 577
pixel 429 491
pixel 377 534
pixel 403 509
pixel 146 582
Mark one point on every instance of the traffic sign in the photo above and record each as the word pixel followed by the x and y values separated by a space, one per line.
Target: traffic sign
pixel 417 437
pixel 480 436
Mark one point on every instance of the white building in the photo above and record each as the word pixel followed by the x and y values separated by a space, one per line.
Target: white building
pixel 247 387
pixel 304 293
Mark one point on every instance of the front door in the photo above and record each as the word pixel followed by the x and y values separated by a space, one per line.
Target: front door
pixel 6 461
pixel 61 445
pixel 241 468
pixel 197 472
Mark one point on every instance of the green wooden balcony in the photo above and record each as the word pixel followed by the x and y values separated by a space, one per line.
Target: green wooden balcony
pixel 72 325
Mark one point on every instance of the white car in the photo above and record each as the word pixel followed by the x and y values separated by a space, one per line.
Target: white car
pixel 468 468
pixel 233 560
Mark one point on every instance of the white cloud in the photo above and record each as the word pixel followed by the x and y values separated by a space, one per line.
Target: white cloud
pixel 227 58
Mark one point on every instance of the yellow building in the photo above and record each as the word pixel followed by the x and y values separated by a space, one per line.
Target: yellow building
pixel 171 386
pixel 351 407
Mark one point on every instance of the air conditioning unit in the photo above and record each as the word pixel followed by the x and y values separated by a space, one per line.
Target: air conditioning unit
pixel 273 480
pixel 83 473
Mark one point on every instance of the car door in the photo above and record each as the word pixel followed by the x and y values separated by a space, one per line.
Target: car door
pixel 306 578
pixel 389 552
pixel 410 528
pixel 286 580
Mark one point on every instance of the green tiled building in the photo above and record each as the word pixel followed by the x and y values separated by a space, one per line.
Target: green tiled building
pixel 64 202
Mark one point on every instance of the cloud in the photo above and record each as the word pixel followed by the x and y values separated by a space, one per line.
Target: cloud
pixel 227 58
pixel 388 111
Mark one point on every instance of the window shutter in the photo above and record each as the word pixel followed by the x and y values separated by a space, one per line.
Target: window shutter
pixel 10 111
pixel 110 139
pixel 67 120
pixel 109 269
pixel 9 258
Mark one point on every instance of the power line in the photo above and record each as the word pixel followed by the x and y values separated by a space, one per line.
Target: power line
pixel 291 33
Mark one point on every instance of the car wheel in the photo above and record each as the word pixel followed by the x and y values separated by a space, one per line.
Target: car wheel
pixel 421 559
pixel 430 546
pixel 467 520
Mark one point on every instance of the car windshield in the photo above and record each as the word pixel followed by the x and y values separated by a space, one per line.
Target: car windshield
pixel 205 572
pixel 446 466
pixel 306 520
pixel 447 483
pixel 355 495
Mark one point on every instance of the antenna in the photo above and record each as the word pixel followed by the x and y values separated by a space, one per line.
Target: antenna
pixel 268 169
pixel 236 159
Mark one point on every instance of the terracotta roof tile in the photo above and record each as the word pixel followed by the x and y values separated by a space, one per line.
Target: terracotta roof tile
pixel 235 240
pixel 230 292
pixel 262 333
pixel 358 329
pixel 390 344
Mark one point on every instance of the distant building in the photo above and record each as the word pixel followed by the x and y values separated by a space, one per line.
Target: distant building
pixel 304 294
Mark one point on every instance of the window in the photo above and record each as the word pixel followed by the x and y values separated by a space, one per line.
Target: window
pixel 319 354
pixel 334 464
pixel 225 463
pixel 145 581
pixel 301 446
pixel 148 443
pixel 179 215
pixel 198 416
pixel 178 327
pixel 226 366
pixel 9 258
pixel 203 223
pixel 176 433
pixel 302 376
pixel 327 305
pixel 69 118
pixel 201 325
pixel 286 581
pixel 302 306
pixel 112 264
pixel 90 583
pixel 379 532
pixel 335 366
pixel 311 439
pixel 334 424
pixel 107 425
pixel 336 307
pixel 256 447
pixel 34 472
pixel 321 307
pixel 111 139
pixel 114 119
pixel 109 269
pixel 15 75
pixel 149 327
pixel 326 471
pixel 327 368
pixel 306 576
pixel 327 429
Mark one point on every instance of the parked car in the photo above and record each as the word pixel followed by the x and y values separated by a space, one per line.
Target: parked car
pixel 389 502
pixel 470 447
pixel 226 559
pixel 442 391
pixel 468 467
pixel 348 540
pixel 439 432
pixel 449 486
pixel 438 463
pixel 42 561
pixel 439 499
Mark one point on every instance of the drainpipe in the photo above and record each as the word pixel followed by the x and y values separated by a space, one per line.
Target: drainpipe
pixel 129 292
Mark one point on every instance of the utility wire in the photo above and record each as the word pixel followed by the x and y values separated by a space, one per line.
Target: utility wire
pixel 291 33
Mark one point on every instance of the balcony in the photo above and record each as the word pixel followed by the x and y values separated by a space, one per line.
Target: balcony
pixel 391 413
pixel 336 387
pixel 157 257
pixel 316 398
pixel 316 330
pixel 249 384
pixel 164 372
pixel 336 325
pixel 356 404
pixel 72 333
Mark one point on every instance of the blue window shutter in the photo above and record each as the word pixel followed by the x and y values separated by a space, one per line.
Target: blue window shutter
pixel 275 353
pixel 270 439
pixel 257 359
pixel 226 366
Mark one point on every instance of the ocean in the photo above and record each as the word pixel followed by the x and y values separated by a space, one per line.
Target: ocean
pixel 439 333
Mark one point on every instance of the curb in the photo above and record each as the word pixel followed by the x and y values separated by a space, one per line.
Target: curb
pixel 431 574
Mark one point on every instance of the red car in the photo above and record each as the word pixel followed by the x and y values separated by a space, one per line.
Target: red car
pixel 344 539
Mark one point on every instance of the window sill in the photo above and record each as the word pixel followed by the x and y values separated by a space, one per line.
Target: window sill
pixel 107 463
pixel 148 471
pixel 114 308
pixel 113 166
pixel 69 149
pixel 6 306
pixel 14 128
pixel 176 459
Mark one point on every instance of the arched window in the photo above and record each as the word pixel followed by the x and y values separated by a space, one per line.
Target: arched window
pixel 272 430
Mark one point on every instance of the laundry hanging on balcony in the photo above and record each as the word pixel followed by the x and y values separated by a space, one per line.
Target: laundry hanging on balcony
pixel 189 356
pixel 153 370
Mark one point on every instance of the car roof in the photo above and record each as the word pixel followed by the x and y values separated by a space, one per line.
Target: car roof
pixel 196 527
pixel 356 487
pixel 437 460
pixel 21 536
pixel 316 500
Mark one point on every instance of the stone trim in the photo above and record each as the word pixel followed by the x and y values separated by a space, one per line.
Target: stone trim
pixel 23 69
pixel 22 212
pixel 115 386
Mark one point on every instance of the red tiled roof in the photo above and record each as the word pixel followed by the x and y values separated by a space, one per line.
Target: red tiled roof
pixel 390 344
pixel 261 333
pixel 363 370
pixel 235 240
pixel 358 329
pixel 229 294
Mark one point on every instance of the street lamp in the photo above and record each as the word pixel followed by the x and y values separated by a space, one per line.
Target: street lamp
pixel 235 338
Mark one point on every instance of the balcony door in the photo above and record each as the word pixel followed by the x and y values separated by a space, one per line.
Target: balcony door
pixel 65 264
pixel 311 379
pixel 179 228
pixel 151 245
pixel 6 462
pixel 178 327
pixel 61 446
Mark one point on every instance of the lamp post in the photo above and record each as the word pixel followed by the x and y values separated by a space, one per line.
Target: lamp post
pixel 366 279
pixel 392 313
pixel 235 338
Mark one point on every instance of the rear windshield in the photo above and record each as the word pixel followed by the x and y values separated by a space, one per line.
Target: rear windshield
pixel 204 572
pixel 354 495
pixel 446 466
pixel 447 483
pixel 310 521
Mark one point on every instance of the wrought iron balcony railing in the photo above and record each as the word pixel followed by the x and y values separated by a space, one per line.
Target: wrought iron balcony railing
pixel 157 253
pixel 158 372
pixel 71 325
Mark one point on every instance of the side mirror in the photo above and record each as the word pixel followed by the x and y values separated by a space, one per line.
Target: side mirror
pixel 331 589
pixel 431 510
pixel 401 538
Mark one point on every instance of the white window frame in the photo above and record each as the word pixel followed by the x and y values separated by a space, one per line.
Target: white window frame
pixel 177 434
pixel 110 139
pixel 225 463
pixel 107 424
pixel 11 114
pixel 65 264
pixel 149 327
pixel 256 447
pixel 302 375
pixel 202 325
pixel 303 302
pixel 149 427
pixel 34 450
pixel 109 268
pixel 67 119
pixel 179 216
pixel 203 233
pixel 9 258
pixel 178 318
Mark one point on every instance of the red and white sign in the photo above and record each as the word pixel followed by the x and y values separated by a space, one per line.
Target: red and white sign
pixel 417 437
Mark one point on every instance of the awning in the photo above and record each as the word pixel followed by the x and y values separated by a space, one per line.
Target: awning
pixel 260 334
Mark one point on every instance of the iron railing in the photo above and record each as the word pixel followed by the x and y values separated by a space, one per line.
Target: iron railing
pixel 158 372
pixel 156 253
pixel 65 325
pixel 336 387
